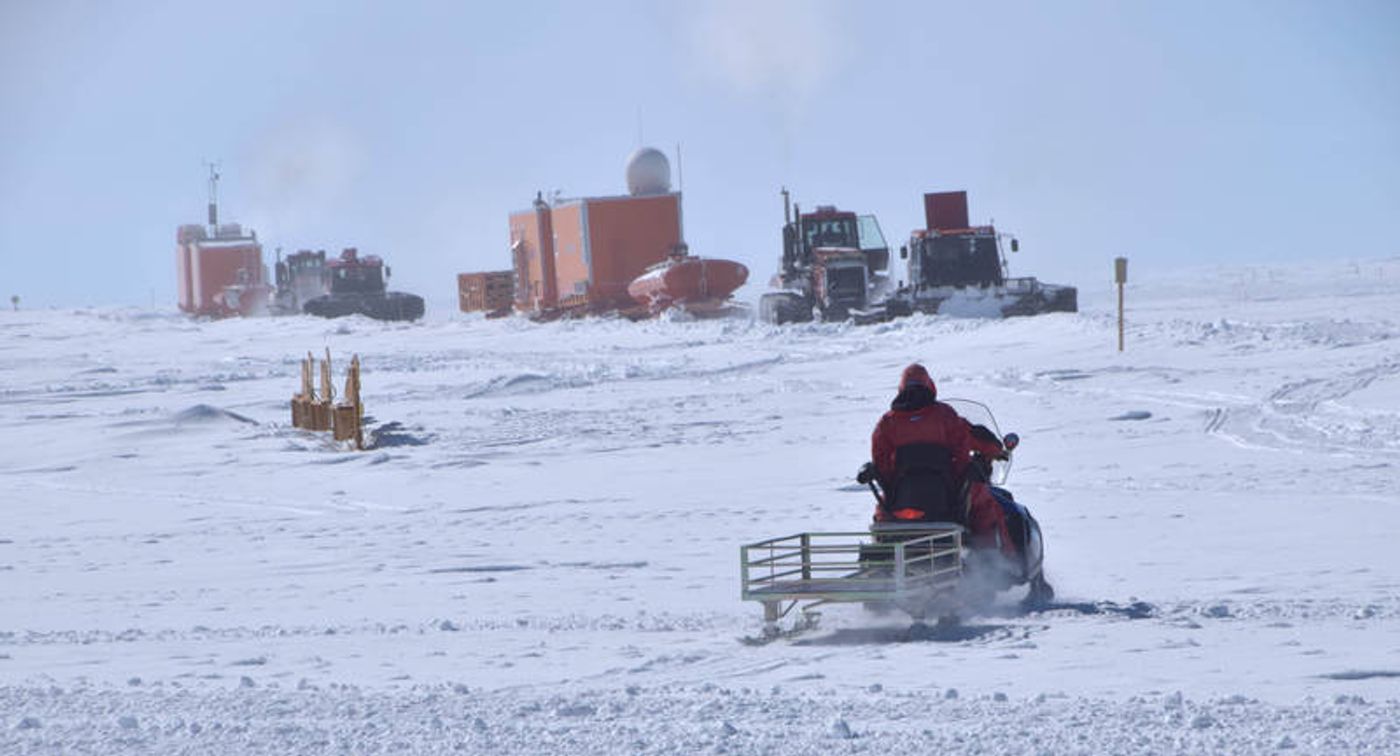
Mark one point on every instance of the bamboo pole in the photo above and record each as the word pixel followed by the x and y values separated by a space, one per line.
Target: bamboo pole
pixel 1120 277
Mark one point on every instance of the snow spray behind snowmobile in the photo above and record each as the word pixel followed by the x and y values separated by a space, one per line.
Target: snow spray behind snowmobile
pixel 923 568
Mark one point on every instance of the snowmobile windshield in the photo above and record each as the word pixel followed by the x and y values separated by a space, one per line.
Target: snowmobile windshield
pixel 978 413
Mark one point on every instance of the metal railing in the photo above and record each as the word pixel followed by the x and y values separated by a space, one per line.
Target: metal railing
pixel 846 566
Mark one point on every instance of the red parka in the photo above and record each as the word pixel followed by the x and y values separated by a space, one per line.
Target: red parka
pixel 917 417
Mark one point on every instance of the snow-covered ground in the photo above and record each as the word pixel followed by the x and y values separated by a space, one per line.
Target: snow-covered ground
pixel 541 553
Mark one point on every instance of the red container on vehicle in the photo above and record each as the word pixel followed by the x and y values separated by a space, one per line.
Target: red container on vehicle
pixel 945 210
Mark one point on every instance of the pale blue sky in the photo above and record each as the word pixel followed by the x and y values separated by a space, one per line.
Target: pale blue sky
pixel 1175 133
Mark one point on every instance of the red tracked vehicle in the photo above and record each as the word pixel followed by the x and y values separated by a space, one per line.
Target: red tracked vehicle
pixel 357 287
pixel 834 266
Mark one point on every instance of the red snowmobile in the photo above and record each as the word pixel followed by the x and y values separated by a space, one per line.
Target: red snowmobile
pixel 927 485
pixel 925 568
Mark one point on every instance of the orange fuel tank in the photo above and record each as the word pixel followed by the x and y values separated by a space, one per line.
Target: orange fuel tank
pixel 691 283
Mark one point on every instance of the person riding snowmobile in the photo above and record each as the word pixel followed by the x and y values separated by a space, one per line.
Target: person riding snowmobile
pixel 922 452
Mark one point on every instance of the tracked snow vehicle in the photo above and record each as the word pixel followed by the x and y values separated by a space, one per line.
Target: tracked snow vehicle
pixel 834 267
pixel 357 287
pixel 301 277
pixel 956 268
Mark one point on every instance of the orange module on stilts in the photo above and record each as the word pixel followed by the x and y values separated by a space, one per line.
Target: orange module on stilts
pixel 578 255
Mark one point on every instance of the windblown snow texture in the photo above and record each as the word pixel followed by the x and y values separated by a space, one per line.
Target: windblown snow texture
pixel 540 553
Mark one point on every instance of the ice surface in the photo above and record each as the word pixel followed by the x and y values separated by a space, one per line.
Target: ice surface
pixel 541 553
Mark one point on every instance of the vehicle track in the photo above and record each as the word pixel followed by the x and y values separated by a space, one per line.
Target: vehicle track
pixel 1293 417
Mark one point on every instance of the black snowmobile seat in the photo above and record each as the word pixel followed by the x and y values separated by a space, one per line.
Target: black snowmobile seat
pixel 924 481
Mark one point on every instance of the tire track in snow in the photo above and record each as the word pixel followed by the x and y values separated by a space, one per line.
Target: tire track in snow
pixel 1292 417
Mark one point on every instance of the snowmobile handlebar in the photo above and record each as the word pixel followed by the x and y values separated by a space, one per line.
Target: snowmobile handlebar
pixel 868 476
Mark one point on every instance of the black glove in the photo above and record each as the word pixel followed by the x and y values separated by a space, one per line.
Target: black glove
pixel 866 474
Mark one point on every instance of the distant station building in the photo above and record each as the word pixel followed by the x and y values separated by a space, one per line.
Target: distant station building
pixel 220 267
pixel 578 255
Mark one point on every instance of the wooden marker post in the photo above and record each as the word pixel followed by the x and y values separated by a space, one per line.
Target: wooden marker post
pixel 1120 276
pixel 318 410
pixel 304 399
pixel 323 406
pixel 350 411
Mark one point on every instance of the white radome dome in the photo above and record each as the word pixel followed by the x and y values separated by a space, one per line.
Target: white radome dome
pixel 648 172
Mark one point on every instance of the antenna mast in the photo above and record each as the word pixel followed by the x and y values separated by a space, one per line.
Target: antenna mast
pixel 213 197
pixel 680 170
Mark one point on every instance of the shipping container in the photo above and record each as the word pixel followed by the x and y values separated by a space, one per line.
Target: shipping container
pixel 490 292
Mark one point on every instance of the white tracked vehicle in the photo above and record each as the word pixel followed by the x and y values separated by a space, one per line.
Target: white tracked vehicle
pixel 959 269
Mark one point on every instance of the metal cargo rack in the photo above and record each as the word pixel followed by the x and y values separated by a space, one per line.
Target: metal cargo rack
pixel 813 569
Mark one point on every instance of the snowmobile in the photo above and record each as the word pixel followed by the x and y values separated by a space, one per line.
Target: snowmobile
pixel 984 572
pixel 924 568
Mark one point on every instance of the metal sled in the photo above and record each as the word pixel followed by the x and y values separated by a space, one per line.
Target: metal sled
pixel 918 573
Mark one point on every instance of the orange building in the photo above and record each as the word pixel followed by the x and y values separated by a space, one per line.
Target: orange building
pixel 221 273
pixel 578 255
pixel 220 267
